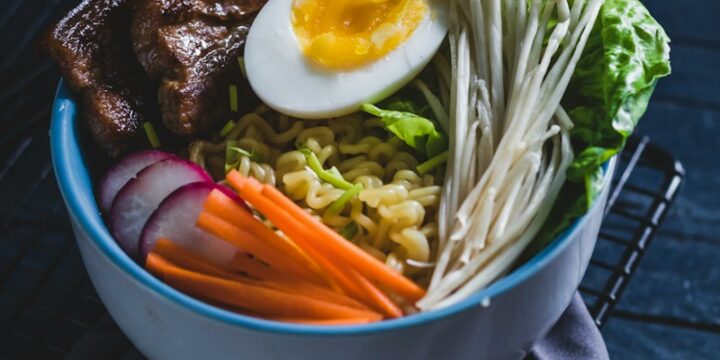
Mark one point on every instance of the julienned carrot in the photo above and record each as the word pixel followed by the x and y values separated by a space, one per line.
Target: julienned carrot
pixel 190 261
pixel 333 243
pixel 317 292
pixel 325 238
pixel 282 281
pixel 258 299
pixel 296 232
pixel 380 301
pixel 340 278
pixel 253 267
pixel 249 243
pixel 369 294
pixel 351 281
pixel 348 280
pixel 186 258
pixel 241 262
pixel 221 205
pixel 323 322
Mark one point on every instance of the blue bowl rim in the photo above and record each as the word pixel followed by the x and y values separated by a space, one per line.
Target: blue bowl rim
pixel 76 187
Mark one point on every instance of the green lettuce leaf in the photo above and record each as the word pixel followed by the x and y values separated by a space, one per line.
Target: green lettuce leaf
pixel 612 84
pixel 416 131
pixel 625 56
pixel 404 105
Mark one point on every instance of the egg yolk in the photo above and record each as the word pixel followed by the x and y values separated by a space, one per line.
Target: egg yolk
pixel 347 34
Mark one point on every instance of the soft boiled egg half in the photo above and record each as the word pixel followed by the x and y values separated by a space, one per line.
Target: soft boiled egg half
pixel 317 59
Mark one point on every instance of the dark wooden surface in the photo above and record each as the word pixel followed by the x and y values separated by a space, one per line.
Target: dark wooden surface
pixel 671 310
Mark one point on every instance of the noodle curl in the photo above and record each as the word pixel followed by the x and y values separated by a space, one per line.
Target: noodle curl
pixel 393 217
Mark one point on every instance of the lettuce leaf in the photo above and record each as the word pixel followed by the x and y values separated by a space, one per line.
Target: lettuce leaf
pixel 416 131
pixel 625 56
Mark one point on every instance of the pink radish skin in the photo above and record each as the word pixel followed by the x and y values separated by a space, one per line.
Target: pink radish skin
pixel 122 172
pixel 137 200
pixel 175 220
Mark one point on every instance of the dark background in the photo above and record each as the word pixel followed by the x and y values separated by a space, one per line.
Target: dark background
pixel 671 309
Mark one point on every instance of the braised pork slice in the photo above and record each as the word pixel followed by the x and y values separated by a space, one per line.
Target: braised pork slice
pixel 191 47
pixel 93 50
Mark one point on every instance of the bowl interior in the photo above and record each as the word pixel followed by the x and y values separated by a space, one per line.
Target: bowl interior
pixel 76 185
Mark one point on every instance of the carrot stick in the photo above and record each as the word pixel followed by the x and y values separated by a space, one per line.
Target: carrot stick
pixel 297 232
pixel 376 297
pixel 349 279
pixel 247 242
pixel 256 269
pixel 253 267
pixel 187 259
pixel 323 322
pixel 190 261
pixel 254 298
pixel 282 281
pixel 229 210
pixel 327 239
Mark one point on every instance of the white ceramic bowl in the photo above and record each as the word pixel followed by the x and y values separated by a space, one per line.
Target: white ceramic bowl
pixel 500 322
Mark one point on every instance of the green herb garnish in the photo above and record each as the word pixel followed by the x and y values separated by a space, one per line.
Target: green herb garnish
pixel 151 135
pixel 233 90
pixel 229 126
pixel 349 231
pixel 233 153
pixel 338 205
pixel 416 131
pixel 433 163
pixel 332 177
pixel 241 64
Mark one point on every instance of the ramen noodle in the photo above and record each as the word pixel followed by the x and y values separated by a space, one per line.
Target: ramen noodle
pixel 393 217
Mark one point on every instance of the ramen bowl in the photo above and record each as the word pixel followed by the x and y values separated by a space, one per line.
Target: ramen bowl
pixel 502 321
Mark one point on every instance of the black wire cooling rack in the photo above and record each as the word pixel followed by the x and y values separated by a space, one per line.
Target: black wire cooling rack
pixel 47 304
pixel 646 182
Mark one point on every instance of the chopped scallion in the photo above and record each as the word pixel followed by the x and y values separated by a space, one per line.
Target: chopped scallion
pixel 229 126
pixel 241 63
pixel 433 163
pixel 151 135
pixel 333 170
pixel 328 176
pixel 349 231
pixel 338 205
pixel 233 154
pixel 233 98
pixel 231 157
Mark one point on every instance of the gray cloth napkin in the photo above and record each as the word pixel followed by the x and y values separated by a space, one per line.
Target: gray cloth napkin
pixel 575 336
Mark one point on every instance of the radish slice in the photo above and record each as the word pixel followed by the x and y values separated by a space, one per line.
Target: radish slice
pixel 122 172
pixel 137 200
pixel 175 220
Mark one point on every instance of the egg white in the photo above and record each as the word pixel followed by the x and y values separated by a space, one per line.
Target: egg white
pixel 287 81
